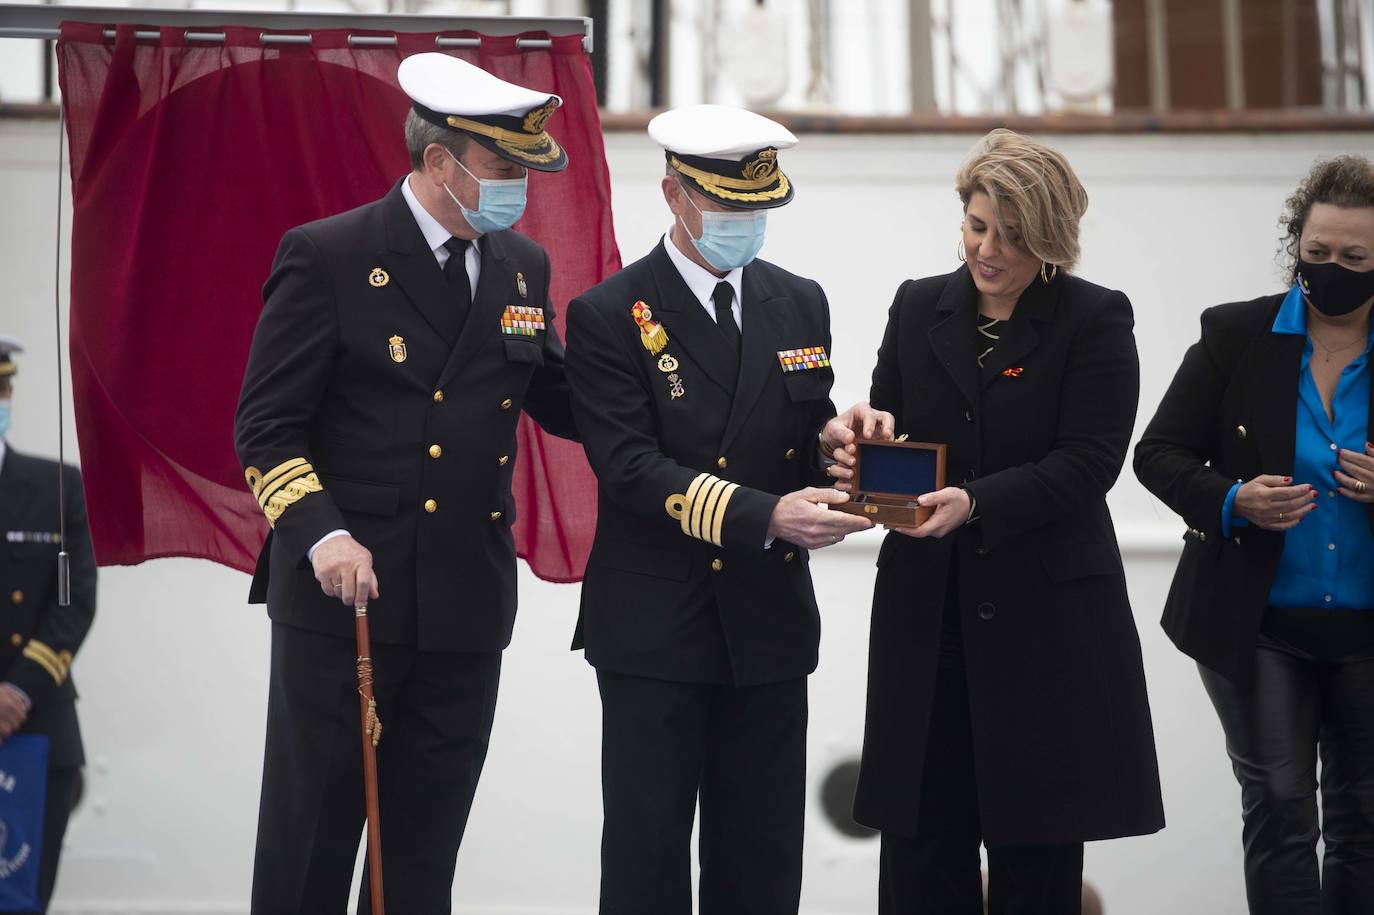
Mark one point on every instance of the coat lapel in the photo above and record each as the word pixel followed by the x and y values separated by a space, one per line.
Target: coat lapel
pixel 763 313
pixel 410 261
pixel 951 337
pixel 495 287
pixel 1019 336
pixel 687 323
pixel 1274 400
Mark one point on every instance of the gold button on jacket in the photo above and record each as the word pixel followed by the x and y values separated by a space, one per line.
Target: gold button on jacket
pixel 431 506
pixel 435 451
pixel 717 565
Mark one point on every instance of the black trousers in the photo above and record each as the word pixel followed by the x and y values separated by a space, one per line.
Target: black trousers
pixel 938 870
pixel 436 710
pixel 742 753
pixel 1304 700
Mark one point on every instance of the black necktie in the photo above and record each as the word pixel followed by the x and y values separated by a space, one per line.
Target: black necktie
pixel 724 296
pixel 456 274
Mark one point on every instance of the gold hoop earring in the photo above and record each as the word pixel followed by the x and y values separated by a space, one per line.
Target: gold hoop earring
pixel 1046 278
pixel 960 255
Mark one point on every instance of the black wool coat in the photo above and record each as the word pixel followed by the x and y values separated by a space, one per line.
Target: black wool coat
pixel 1228 416
pixel 1063 741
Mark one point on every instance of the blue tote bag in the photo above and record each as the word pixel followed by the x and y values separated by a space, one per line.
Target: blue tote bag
pixel 23 787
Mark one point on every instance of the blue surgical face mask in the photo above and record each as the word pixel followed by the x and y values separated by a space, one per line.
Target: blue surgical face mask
pixel 499 202
pixel 728 240
pixel 4 417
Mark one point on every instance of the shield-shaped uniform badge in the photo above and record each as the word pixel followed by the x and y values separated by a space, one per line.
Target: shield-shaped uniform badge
pixel 398 349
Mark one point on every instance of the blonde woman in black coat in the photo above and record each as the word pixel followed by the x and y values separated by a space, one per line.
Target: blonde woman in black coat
pixel 1006 701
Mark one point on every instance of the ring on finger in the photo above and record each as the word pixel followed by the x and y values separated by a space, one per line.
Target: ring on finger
pixel 1359 486
pixel 1280 516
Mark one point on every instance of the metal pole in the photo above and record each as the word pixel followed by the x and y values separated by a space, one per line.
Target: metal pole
pixel 44 23
pixel 921 57
pixel 659 57
pixel 1288 28
pixel 1157 42
pixel 1338 31
pixel 1233 54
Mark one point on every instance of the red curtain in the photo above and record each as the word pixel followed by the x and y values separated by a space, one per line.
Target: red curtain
pixel 188 162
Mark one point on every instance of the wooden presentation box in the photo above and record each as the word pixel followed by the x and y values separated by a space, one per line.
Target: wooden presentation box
pixel 888 476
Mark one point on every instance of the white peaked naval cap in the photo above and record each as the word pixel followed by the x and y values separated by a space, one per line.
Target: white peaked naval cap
pixel 504 117
pixel 728 154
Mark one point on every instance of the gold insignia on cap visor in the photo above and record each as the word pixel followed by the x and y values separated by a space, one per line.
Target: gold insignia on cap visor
pixel 763 166
pixel 740 189
pixel 518 144
pixel 536 119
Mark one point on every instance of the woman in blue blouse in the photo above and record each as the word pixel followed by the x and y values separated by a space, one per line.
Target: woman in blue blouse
pixel 1262 444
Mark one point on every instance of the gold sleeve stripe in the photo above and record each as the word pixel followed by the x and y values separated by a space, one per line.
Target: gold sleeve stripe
pixel 708 509
pixel 57 665
pixel 704 497
pixel 290 493
pixel 719 522
pixel 275 474
pixel 701 511
pixel 295 473
pixel 693 493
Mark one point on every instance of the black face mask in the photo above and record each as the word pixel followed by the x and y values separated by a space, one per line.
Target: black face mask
pixel 1332 289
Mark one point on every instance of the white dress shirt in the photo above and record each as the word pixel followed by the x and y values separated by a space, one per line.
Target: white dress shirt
pixel 435 236
pixel 703 282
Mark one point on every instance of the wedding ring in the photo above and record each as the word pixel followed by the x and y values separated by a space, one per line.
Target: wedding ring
pixel 834 538
pixel 1359 486
pixel 1280 516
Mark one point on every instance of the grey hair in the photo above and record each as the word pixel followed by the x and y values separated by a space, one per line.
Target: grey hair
pixel 421 133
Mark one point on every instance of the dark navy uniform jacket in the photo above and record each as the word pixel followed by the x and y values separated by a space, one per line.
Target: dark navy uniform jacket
pixel 38 639
pixel 679 585
pixel 361 412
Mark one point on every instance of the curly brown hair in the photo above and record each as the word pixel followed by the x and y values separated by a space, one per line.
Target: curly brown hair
pixel 1343 181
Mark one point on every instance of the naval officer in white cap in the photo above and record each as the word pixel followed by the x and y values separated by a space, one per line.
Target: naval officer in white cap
pixel 398 344
pixel 701 384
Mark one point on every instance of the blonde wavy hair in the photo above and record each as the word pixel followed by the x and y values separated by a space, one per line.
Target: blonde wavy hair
pixel 1032 186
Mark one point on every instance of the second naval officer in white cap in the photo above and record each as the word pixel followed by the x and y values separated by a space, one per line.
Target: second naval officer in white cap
pixel 398 344
pixel 701 383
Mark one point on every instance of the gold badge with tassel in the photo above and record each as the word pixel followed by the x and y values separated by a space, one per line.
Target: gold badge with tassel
pixel 651 333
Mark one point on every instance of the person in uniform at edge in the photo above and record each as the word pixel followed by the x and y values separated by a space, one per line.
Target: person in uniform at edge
pixel 1006 692
pixel 397 346
pixel 701 384
pixel 40 638
pixel 1261 444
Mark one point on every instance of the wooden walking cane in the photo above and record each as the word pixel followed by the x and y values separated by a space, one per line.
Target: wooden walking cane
pixel 372 733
